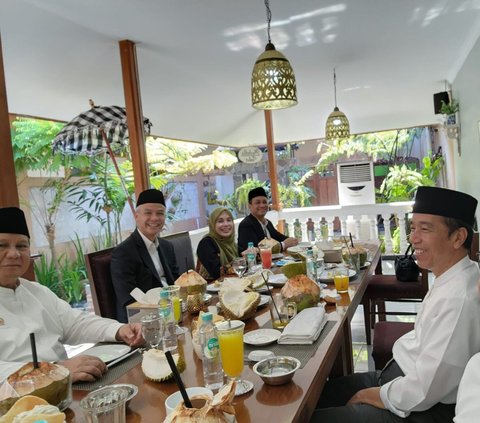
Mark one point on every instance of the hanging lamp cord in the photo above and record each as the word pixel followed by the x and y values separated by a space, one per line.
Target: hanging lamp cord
pixel 335 86
pixel 269 19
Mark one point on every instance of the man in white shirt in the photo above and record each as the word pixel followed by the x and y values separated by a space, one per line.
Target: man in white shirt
pixel 29 307
pixel 420 383
pixel 143 260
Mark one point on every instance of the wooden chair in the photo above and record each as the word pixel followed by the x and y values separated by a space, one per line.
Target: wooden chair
pixel 101 286
pixel 183 250
pixel 383 288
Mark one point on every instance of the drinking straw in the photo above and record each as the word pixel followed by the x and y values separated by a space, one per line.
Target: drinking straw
pixel 178 379
pixel 271 296
pixel 34 350
pixel 351 239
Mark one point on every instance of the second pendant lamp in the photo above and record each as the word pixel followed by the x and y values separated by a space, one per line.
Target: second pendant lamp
pixel 337 126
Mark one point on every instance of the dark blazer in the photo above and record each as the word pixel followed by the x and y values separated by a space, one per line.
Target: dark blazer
pixel 132 267
pixel 250 230
pixel 208 253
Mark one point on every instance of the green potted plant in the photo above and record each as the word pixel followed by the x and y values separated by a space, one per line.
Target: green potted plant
pixel 450 110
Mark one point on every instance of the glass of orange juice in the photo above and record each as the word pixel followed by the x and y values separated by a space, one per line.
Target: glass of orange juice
pixel 340 278
pixel 230 340
pixel 174 295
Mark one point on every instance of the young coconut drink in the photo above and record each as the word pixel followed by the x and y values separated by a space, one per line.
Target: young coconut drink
pixel 302 291
pixel 49 381
pixel 218 409
pixel 155 366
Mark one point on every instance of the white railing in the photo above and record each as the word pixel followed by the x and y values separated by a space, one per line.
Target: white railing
pixel 360 221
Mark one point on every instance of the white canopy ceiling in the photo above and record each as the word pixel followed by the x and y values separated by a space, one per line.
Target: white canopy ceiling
pixel 195 59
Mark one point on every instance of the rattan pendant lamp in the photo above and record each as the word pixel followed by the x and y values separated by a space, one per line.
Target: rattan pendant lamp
pixel 273 79
pixel 337 126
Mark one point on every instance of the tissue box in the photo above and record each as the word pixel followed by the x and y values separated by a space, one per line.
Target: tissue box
pixel 333 256
pixel 136 310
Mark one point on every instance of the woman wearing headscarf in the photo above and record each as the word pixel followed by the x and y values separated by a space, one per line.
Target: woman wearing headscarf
pixel 218 248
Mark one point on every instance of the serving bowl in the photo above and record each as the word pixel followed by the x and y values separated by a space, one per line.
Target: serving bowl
pixel 277 370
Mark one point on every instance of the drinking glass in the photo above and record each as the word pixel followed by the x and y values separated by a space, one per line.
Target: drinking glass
pixel 174 295
pixel 152 329
pixel 239 266
pixel 341 278
pixel 266 256
pixel 230 340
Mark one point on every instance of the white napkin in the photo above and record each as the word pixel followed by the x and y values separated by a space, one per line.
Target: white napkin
pixel 150 297
pixel 305 327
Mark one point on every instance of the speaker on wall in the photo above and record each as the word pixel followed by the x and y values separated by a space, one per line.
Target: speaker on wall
pixel 437 101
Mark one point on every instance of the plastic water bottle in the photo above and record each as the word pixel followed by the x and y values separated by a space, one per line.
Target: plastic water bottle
pixel 310 265
pixel 251 257
pixel 169 339
pixel 212 364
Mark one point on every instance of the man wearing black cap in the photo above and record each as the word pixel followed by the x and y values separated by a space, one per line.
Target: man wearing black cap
pixel 29 307
pixel 143 260
pixel 420 383
pixel 256 226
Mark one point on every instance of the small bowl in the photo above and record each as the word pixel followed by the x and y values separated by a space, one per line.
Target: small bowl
pixel 277 370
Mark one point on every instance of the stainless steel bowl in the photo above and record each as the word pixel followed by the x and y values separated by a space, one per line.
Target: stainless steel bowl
pixel 277 370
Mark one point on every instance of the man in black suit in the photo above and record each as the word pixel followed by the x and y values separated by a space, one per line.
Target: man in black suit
pixel 256 227
pixel 143 260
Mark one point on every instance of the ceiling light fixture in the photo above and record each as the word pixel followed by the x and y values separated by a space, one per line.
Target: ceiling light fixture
pixel 273 79
pixel 337 126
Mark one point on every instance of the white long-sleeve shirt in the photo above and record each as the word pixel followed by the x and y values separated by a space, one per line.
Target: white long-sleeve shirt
pixel 433 356
pixel 468 405
pixel 32 307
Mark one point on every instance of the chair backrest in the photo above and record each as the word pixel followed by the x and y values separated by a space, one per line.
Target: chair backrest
pixel 101 286
pixel 183 250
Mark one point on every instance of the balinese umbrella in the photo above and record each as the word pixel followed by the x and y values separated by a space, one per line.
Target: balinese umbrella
pixel 97 130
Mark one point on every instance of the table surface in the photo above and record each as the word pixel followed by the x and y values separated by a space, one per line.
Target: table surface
pixel 292 402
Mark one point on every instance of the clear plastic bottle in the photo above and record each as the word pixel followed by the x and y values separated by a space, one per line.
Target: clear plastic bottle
pixel 169 340
pixel 212 364
pixel 310 265
pixel 251 257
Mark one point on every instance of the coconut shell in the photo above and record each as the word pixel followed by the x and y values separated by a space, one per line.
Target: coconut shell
pixel 50 382
pixel 238 305
pixel 191 282
pixel 155 366
pixel 272 243
pixel 301 290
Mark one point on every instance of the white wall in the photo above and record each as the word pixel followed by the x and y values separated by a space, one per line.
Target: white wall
pixel 466 89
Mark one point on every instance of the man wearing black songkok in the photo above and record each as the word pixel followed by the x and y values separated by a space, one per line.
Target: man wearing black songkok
pixel 30 307
pixel 256 226
pixel 143 260
pixel 420 383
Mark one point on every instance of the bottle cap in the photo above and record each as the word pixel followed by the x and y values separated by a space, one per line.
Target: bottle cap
pixel 250 245
pixel 207 317
pixel 164 294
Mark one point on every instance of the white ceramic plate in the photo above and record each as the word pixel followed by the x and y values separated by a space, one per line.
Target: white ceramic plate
pixel 263 300
pixel 207 297
pixel 277 280
pixel 327 275
pixel 277 256
pixel 213 288
pixel 108 352
pixel 365 265
pixel 304 245
pixel 261 337
pixel 259 355
pixel 263 288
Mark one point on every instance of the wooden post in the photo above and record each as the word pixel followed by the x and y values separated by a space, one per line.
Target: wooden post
pixel 8 180
pixel 272 166
pixel 133 106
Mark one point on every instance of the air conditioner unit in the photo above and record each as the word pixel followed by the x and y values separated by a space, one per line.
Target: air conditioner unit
pixel 356 184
